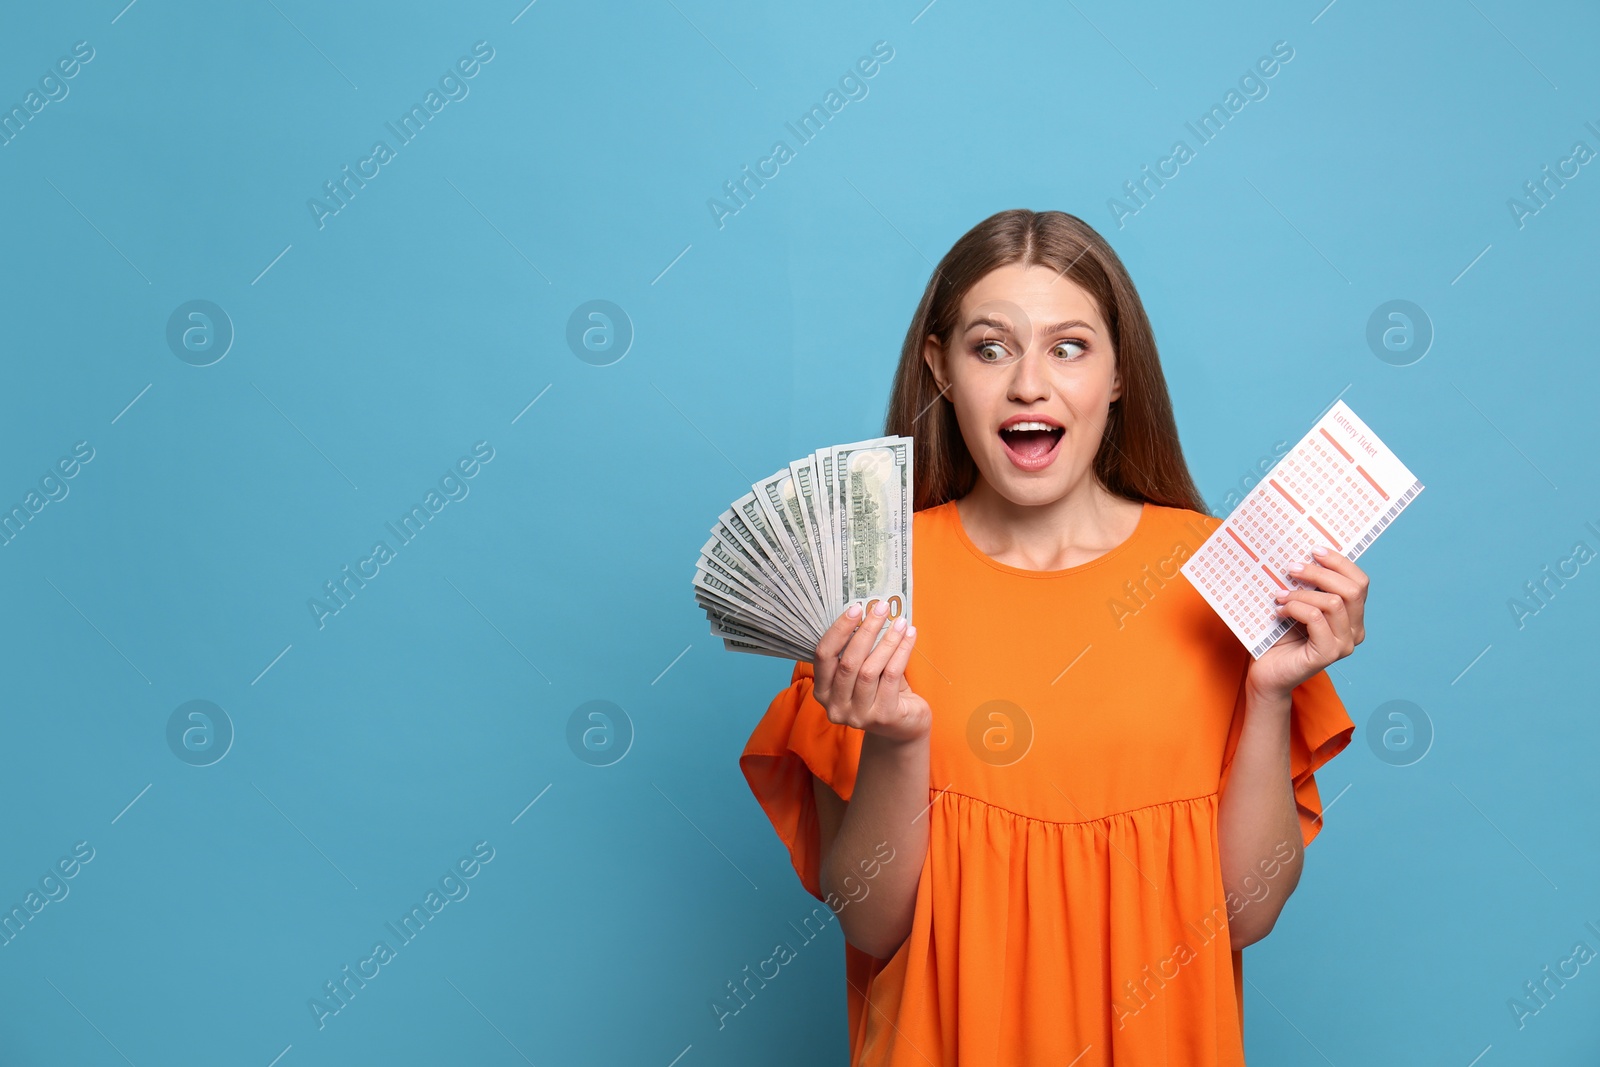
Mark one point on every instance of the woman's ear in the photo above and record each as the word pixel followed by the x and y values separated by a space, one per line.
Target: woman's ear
pixel 933 356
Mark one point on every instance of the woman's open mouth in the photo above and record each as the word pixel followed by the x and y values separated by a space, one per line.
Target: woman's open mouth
pixel 1032 444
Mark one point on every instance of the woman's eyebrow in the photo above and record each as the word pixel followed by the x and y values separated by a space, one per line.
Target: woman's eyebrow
pixel 1069 324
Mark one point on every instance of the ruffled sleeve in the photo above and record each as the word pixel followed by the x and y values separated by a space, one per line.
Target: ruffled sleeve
pixel 1319 729
pixel 794 741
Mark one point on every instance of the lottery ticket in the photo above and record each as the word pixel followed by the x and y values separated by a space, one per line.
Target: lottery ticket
pixel 1340 487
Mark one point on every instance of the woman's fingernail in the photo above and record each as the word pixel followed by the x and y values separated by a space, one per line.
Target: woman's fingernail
pixel 1281 597
pixel 900 624
pixel 881 608
pixel 1320 550
pixel 911 631
pixel 853 611
pixel 1296 568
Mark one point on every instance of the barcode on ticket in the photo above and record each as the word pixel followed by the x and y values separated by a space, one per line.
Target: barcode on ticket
pixel 1340 487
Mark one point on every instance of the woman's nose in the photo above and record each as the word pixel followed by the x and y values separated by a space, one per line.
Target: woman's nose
pixel 1029 381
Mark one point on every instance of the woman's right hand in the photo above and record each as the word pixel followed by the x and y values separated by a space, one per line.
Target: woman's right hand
pixel 865 687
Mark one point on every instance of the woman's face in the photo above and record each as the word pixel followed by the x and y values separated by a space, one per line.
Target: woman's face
pixel 1029 347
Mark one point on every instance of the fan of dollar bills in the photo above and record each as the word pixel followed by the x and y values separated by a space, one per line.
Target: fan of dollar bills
pixel 825 532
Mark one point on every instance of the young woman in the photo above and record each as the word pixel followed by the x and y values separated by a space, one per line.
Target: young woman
pixel 1050 814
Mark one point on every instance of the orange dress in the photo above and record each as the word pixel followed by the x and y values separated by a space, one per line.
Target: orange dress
pixel 1070 909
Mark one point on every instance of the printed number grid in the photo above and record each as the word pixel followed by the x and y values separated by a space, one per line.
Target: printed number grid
pixel 1317 494
pixel 1344 495
pixel 1234 584
pixel 1240 588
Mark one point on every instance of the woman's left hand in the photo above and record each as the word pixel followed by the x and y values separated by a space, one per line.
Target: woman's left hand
pixel 1331 615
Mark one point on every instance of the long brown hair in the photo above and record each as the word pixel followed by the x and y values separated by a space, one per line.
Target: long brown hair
pixel 1139 456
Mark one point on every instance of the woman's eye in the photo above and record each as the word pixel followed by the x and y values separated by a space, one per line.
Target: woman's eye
pixel 996 347
pixel 1078 346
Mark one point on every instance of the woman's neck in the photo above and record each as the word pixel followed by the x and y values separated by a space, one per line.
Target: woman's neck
pixel 1085 523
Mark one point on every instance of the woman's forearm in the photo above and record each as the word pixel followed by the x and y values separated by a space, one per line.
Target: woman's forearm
pixel 885 824
pixel 1258 823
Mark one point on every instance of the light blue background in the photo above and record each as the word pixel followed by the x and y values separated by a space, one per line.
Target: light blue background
pixel 426 316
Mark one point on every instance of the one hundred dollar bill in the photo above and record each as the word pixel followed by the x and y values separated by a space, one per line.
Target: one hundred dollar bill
pixel 872 515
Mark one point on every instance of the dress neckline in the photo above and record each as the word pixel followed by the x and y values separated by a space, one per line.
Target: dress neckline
pixel 961 535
